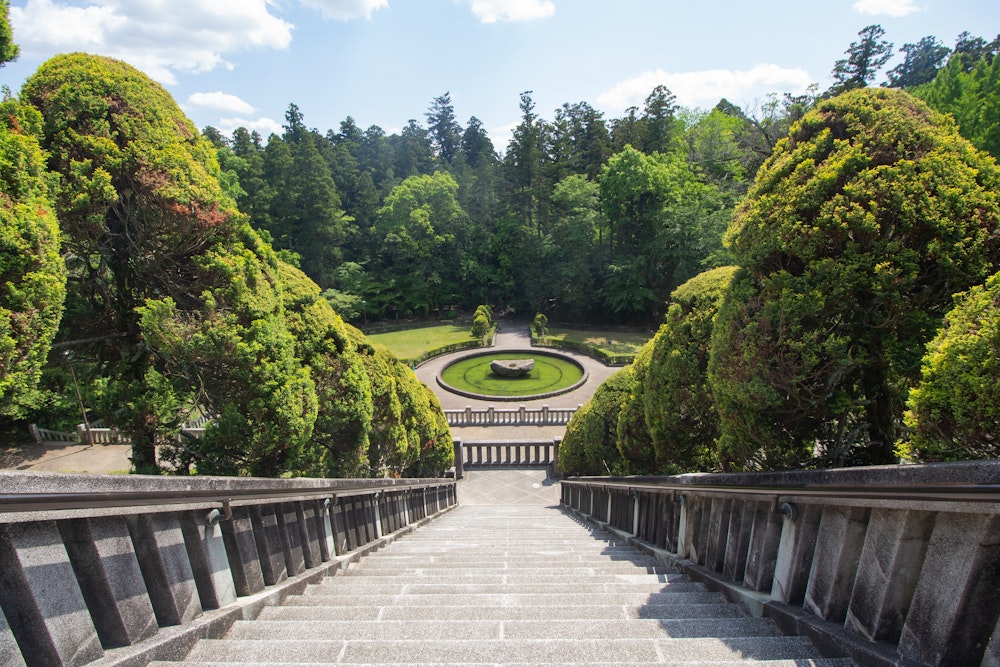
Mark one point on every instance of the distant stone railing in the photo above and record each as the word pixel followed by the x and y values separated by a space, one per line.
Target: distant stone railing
pixel 506 454
pixel 520 416
pixel 125 570
pixel 895 565
pixel 102 435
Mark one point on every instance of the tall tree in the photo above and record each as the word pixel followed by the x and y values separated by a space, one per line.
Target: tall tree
pixel 921 63
pixel 414 155
pixel 865 58
pixel 523 163
pixel 444 131
pixel 168 275
pixel 658 119
pixel 855 235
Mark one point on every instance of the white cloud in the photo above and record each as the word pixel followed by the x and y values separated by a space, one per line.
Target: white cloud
pixel 345 10
pixel 893 8
pixel 492 11
pixel 220 101
pixel 706 88
pixel 264 126
pixel 161 37
pixel 501 136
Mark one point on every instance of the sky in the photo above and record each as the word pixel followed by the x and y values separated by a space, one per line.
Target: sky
pixel 231 63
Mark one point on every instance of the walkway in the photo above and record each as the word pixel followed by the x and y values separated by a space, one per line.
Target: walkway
pixel 514 337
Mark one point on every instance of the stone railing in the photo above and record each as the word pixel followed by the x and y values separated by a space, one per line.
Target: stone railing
pixel 896 565
pixel 521 416
pixel 130 569
pixel 506 454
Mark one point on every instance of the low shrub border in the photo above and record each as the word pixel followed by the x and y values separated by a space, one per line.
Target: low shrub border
pixel 454 347
pixel 608 358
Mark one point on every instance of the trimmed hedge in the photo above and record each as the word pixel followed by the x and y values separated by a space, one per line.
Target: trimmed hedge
pixel 453 347
pixel 608 358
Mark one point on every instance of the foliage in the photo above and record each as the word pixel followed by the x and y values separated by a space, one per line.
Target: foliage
pixel 920 64
pixel 409 434
pixel 955 410
pixel 970 92
pixel 482 322
pixel 679 409
pixel 9 51
pixel 420 224
pixel 538 324
pixel 32 273
pixel 859 228
pixel 589 446
pixel 167 275
pixel 865 58
pixel 632 436
pixel 333 353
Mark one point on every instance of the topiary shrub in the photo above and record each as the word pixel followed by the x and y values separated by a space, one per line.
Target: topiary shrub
pixel 955 410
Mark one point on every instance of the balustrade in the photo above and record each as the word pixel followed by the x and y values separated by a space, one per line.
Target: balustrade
pixel 520 416
pixel 886 565
pixel 95 567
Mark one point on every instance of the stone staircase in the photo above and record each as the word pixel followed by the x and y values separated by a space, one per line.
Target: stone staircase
pixel 511 585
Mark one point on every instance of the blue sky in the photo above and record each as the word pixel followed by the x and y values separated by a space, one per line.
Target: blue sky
pixel 241 62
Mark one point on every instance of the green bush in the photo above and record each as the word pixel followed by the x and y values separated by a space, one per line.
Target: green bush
pixel 679 408
pixel 955 411
pixel 590 446
pixel 858 229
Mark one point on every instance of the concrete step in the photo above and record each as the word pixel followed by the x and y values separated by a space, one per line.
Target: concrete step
pixel 565 600
pixel 808 662
pixel 522 613
pixel 382 629
pixel 493 651
pixel 416 587
pixel 507 586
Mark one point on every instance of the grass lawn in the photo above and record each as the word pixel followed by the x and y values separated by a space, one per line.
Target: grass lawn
pixel 612 342
pixel 411 343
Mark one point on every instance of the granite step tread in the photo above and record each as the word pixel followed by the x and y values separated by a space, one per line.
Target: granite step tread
pixel 501 599
pixel 261 630
pixel 491 613
pixel 806 662
pixel 538 651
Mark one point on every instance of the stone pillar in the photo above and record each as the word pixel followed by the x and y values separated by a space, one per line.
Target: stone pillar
pixel 718 533
pixel 795 553
pixel 104 560
pixel 738 545
pixel 762 555
pixel 209 561
pixel 163 559
pixel 956 604
pixel 459 457
pixel 835 561
pixel 291 538
pixel 241 549
pixel 683 528
pixel 270 545
pixel 41 599
pixel 10 653
pixel 889 567
pixel 306 519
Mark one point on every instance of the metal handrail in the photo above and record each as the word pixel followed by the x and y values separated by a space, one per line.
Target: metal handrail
pixel 932 491
pixel 34 502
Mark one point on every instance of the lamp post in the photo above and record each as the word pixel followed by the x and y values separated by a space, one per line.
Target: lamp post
pixel 364 310
pixel 79 399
